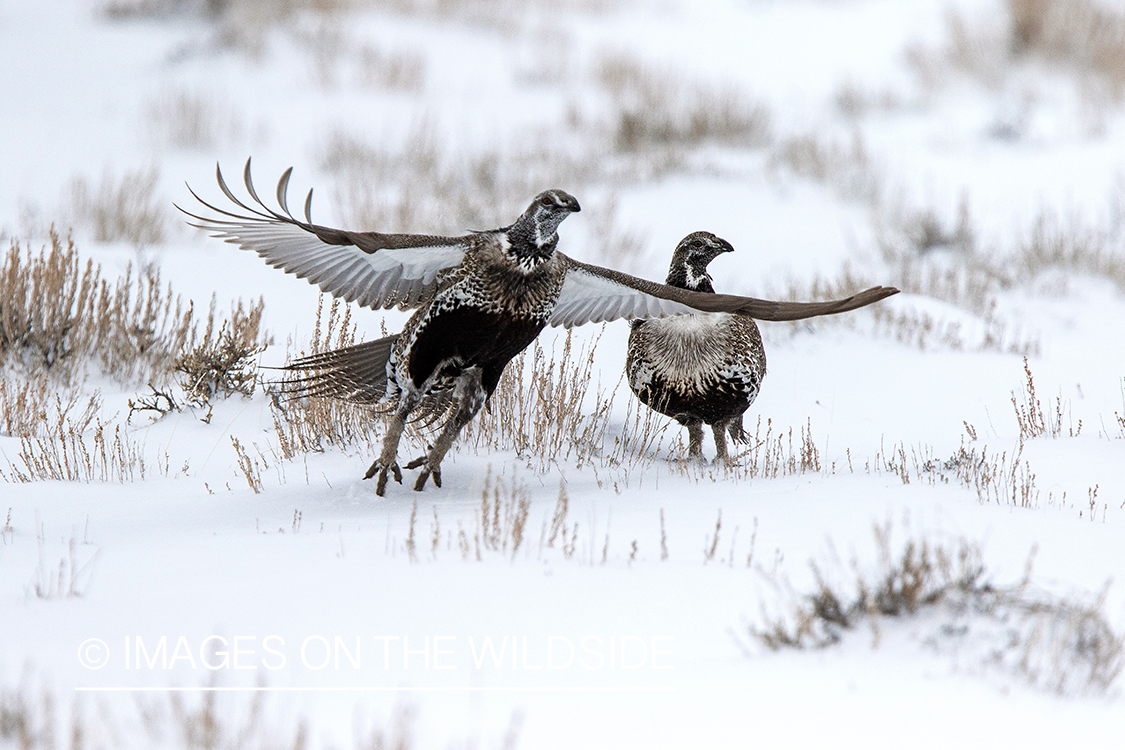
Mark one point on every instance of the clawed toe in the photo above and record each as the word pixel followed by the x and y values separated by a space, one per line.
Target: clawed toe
pixel 382 471
pixel 426 474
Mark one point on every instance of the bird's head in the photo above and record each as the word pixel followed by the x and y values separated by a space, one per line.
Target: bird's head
pixel 690 260
pixel 534 235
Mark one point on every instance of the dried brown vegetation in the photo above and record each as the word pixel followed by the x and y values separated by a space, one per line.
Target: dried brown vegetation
pixel 190 119
pixel 223 363
pixel 655 108
pixel 943 259
pixel 547 408
pixel 416 185
pixel 60 320
pixel 849 168
pixel 125 209
pixel 23 405
pixel 37 718
pixel 1063 644
pixel 1033 420
pixel 73 444
pixel 59 316
pixel 1085 38
pixel 305 425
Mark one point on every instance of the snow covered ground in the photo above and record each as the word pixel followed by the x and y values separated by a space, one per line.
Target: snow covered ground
pixel 869 139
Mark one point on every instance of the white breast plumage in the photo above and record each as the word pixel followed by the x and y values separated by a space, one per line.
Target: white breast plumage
pixel 689 349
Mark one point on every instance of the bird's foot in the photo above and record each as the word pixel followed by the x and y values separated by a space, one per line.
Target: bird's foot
pixel 416 463
pixel 381 468
pixel 424 475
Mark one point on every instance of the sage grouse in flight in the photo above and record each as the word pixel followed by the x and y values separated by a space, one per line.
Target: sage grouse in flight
pixel 480 299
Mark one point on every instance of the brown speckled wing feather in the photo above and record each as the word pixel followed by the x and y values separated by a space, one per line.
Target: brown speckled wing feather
pixel 593 294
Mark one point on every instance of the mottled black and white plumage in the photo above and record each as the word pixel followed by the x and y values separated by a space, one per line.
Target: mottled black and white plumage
pixel 480 299
pixel 698 369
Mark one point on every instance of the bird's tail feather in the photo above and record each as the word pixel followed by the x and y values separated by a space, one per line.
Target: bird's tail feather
pixel 355 373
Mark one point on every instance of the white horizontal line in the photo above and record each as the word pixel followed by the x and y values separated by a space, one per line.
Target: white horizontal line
pixel 531 689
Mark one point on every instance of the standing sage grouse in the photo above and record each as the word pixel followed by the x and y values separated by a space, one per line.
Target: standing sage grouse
pixel 698 369
pixel 480 299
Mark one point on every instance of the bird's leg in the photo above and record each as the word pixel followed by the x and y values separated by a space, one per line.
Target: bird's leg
pixel 737 431
pixel 469 395
pixel 388 459
pixel 719 431
pixel 695 440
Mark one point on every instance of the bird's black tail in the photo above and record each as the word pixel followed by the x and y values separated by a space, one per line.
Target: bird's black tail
pixel 355 373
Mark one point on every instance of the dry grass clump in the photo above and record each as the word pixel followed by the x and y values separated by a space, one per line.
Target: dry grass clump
pixel 396 70
pixel 23 405
pixel 773 455
pixel 654 109
pixel 997 477
pixel 847 167
pixel 243 23
pixel 68 579
pixel 943 260
pixel 1069 246
pixel 307 425
pixel 499 525
pixel 58 315
pixel 503 514
pixel 190 119
pixel 59 319
pixel 854 102
pixel 258 11
pixel 1000 477
pixel 36 718
pixel 1084 37
pixel 1061 644
pixel 125 210
pixel 220 364
pixel 545 407
pixel 920 576
pixel 223 363
pixel 1033 420
pixel 418 186
pixel 73 444
pixel 335 57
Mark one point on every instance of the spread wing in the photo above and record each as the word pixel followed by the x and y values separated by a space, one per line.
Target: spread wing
pixel 592 294
pixel 373 269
